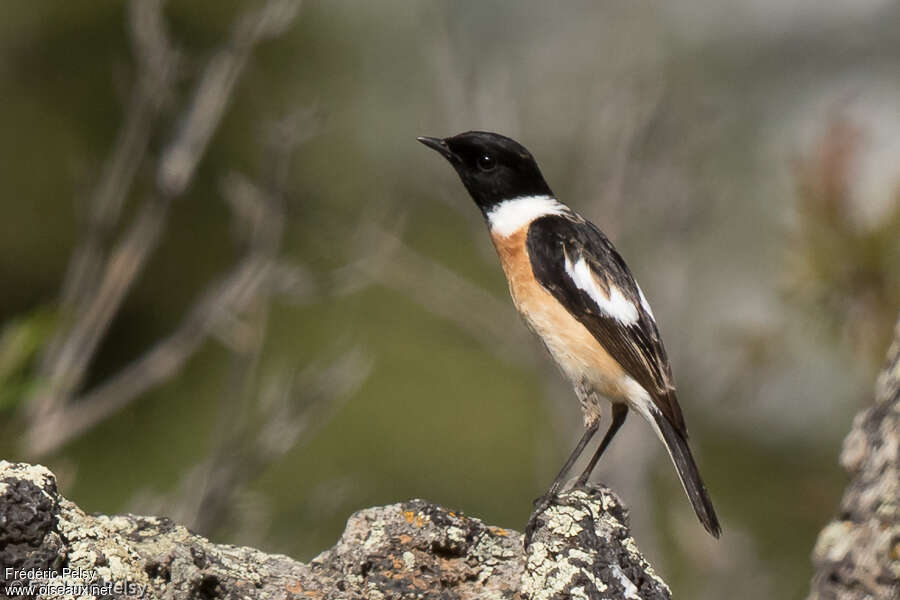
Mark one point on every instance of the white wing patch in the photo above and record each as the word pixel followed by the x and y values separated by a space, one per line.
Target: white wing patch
pixel 615 305
pixel 644 304
pixel 510 216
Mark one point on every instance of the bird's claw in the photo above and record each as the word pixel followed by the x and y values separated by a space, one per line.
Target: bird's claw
pixel 541 504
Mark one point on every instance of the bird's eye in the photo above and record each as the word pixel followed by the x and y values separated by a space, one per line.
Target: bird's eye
pixel 486 162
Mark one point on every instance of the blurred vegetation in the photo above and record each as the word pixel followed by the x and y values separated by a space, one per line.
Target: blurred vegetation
pixel 398 367
pixel 843 267
pixel 21 338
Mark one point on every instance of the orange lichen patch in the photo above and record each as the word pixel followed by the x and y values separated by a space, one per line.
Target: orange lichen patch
pixel 412 518
pixel 452 571
pixel 498 531
pixel 419 583
pixel 404 539
pixel 296 588
pixel 448 566
pixel 399 572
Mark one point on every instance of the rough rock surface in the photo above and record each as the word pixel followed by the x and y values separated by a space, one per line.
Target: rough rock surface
pixel 584 550
pixel 409 550
pixel 857 556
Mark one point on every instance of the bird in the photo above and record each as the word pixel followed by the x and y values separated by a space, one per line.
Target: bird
pixel 575 292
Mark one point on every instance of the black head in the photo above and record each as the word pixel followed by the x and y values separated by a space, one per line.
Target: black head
pixel 493 168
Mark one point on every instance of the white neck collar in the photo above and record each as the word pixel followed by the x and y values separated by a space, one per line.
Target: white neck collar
pixel 509 216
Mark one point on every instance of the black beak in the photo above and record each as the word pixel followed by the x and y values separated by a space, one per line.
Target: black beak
pixel 439 145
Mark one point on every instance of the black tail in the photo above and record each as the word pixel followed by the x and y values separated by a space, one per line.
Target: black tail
pixel 690 476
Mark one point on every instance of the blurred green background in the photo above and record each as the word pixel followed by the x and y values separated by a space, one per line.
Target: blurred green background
pixel 742 155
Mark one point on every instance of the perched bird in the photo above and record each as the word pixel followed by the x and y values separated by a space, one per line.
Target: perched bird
pixel 576 293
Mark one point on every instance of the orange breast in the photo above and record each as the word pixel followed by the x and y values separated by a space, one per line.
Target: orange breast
pixel 573 347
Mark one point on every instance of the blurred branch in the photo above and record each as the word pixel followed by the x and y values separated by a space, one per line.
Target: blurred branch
pixel 390 262
pixel 218 304
pixel 157 64
pixel 856 555
pixel 250 283
pixel 213 93
pixel 69 366
pixel 95 305
pixel 291 404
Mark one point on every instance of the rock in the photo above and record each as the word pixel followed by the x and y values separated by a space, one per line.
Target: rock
pixel 857 556
pixel 413 549
pixel 584 550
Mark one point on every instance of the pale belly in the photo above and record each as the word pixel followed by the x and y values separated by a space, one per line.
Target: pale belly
pixel 579 355
pixel 590 368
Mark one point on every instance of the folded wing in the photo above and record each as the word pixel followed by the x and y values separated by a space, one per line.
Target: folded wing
pixel 579 266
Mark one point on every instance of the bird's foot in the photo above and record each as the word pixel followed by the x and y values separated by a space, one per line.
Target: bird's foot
pixel 541 504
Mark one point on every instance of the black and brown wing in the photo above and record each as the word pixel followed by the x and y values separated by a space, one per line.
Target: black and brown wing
pixel 579 266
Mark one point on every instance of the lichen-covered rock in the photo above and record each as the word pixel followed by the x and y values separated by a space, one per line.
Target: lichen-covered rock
pixel 583 550
pixel 412 550
pixel 419 550
pixel 28 511
pixel 857 556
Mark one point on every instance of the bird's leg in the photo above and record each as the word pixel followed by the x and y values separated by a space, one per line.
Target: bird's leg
pixel 561 476
pixel 541 503
pixel 619 412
